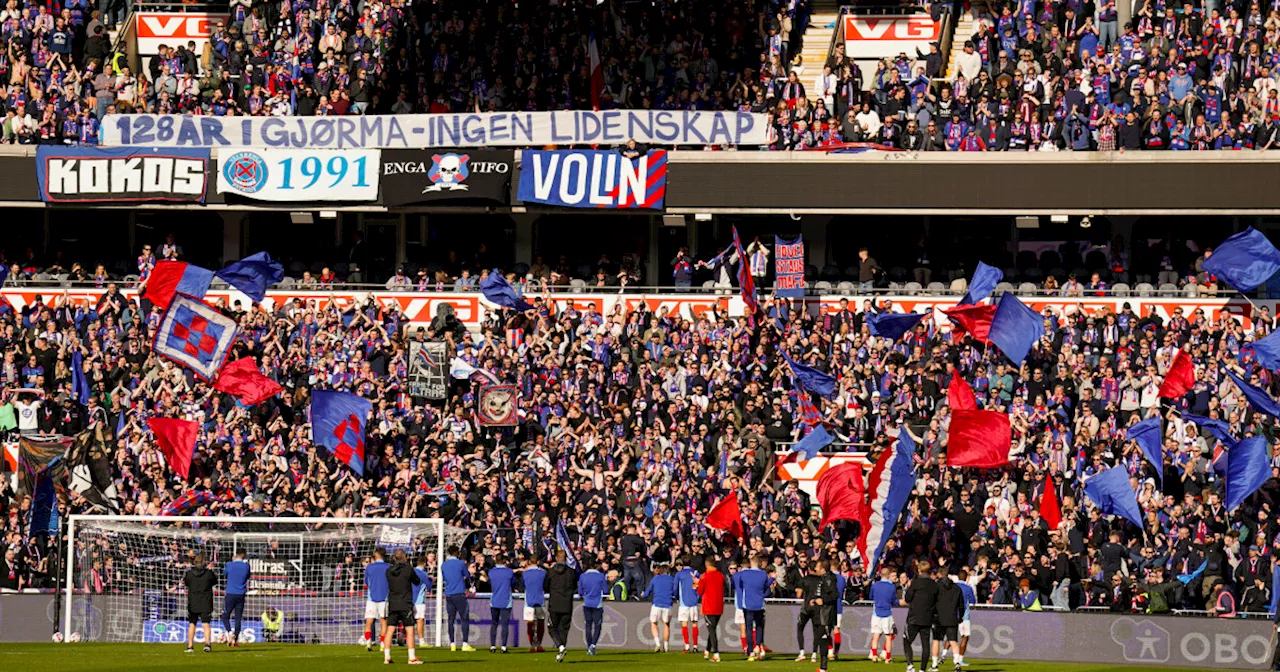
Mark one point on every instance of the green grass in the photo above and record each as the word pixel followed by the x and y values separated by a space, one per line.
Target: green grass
pixel 313 658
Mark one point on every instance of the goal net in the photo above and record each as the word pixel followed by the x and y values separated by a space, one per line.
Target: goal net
pixel 124 574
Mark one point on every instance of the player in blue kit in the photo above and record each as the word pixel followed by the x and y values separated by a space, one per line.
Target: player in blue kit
pixel 842 581
pixel 662 590
pixel 534 580
pixel 501 582
pixel 375 605
pixel 455 575
pixel 421 591
pixel 237 574
pixel 754 582
pixel 686 590
pixel 884 595
pixel 592 586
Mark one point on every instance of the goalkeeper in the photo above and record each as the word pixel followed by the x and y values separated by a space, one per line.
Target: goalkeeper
pixel 272 624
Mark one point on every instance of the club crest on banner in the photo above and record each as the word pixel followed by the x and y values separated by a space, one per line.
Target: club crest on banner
pixel 498 406
pixel 195 335
pixel 448 172
pixel 247 171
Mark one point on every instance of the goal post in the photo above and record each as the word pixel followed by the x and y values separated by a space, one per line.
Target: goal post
pixel 124 574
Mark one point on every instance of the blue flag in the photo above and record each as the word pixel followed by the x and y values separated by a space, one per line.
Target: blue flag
pixel 892 325
pixel 814 441
pixel 253 275
pixel 985 279
pixel 1147 435
pixel 1218 428
pixel 496 290
pixel 79 382
pixel 1248 468
pixel 1114 495
pixel 1244 260
pixel 811 379
pixel 562 538
pixel 120 423
pixel 1188 578
pixel 338 423
pixel 44 507
pixel 1015 328
pixel 1267 350
pixel 1258 399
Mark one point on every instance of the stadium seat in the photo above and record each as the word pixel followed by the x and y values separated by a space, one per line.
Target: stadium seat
pixel 822 286
pixel 287 283
pixel 895 287
pixel 1168 289
pixel 958 286
pixel 131 278
pixel 832 272
pixel 912 288
pixel 579 285
pixel 1028 288
pixel 846 287
pixel 1144 289
pixel 849 272
pixel 1033 274
pixel 1003 287
pixel 1191 290
pixel 297 267
pixel 810 272
pixel 1120 289
pixel 936 288
pixel 898 273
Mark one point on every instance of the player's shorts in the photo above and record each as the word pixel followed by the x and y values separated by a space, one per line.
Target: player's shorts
pixel 946 633
pixel 201 617
pixel 964 629
pixel 396 618
pixel 535 613
pixel 659 614
pixel 420 611
pixel 375 609
pixel 688 614
pixel 882 625
pixel 738 618
pixel 839 621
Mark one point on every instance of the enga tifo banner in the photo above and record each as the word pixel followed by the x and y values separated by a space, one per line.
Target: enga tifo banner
pixel 411 176
pixel 471 308
pixel 413 131
pixel 788 263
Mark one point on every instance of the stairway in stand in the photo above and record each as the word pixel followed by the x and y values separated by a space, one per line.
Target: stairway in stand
pixel 817 40
pixel 965 29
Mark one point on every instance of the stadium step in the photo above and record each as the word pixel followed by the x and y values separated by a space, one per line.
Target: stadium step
pixel 965 29
pixel 817 40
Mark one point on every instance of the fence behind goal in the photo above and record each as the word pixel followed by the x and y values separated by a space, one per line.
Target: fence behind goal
pixel 124 575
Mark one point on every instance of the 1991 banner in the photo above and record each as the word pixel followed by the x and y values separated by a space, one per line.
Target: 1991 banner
pixel 299 175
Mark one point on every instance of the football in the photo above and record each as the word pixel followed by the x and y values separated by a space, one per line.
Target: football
pixel 362 641
pixel 57 637
pixel 216 638
pixel 75 637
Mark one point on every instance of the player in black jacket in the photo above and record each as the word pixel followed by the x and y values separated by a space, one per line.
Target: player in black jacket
pixel 922 603
pixel 562 583
pixel 819 598
pixel 400 582
pixel 200 583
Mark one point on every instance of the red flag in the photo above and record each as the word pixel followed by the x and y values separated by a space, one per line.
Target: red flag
pixel 1181 377
pixel 975 319
pixel 842 494
pixel 960 395
pixel 242 379
pixel 727 516
pixel 1049 509
pixel 979 439
pixel 177 440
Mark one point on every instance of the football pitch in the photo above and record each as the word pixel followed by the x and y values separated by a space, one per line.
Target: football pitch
pixel 295 657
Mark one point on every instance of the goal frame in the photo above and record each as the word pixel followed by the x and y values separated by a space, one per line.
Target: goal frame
pixel 74 519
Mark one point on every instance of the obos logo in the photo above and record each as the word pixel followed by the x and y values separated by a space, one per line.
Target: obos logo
pixel 448 172
pixel 246 171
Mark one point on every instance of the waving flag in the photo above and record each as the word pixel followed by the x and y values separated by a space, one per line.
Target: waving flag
pixel 194 499
pixel 170 278
pixel 562 539
pixel 253 275
pixel 194 334
pixel 1248 468
pixel 842 494
pixel 1180 378
pixel 1267 350
pixel 1244 260
pixel 1184 579
pixel 889 486
pixel 1015 328
pixel 79 383
pixel 960 395
pixel 975 320
pixel 88 466
pixel 979 439
pixel 985 279
pixel 1258 399
pixel 1217 428
pixel 496 290
pixel 44 508
pixel 1049 509
pixel 243 380
pixel 727 515
pixel 745 280
pixel 1114 495
pixel 892 325
pixel 597 73
pixel 1147 435
pixel 338 423
pixel 811 379
pixel 809 413
pixel 813 442
pixel 177 441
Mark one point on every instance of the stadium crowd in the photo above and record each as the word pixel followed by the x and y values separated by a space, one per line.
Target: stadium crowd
pixel 632 424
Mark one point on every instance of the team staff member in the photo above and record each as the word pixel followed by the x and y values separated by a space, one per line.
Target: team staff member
pixel 421 591
pixel 754 583
pixel 819 599
pixel 199 582
pixel 561 584
pixel 922 601
pixel 688 615
pixel 501 581
pixel 534 580
pixel 711 590
pixel 970 599
pixel 662 590
pixel 400 580
pixel 455 575
pixel 237 574
pixel 592 586
pixel 947 628
pixel 884 595
pixel 375 605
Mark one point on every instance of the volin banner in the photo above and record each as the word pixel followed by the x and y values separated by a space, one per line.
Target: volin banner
pixel 428 372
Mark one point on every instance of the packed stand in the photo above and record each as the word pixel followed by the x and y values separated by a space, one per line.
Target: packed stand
pixel 1061 76
pixel 390 56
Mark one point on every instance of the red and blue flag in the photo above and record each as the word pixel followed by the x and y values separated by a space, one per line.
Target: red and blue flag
pixel 170 278
pixel 338 422
pixel 745 281
pixel 888 486
pixel 194 334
